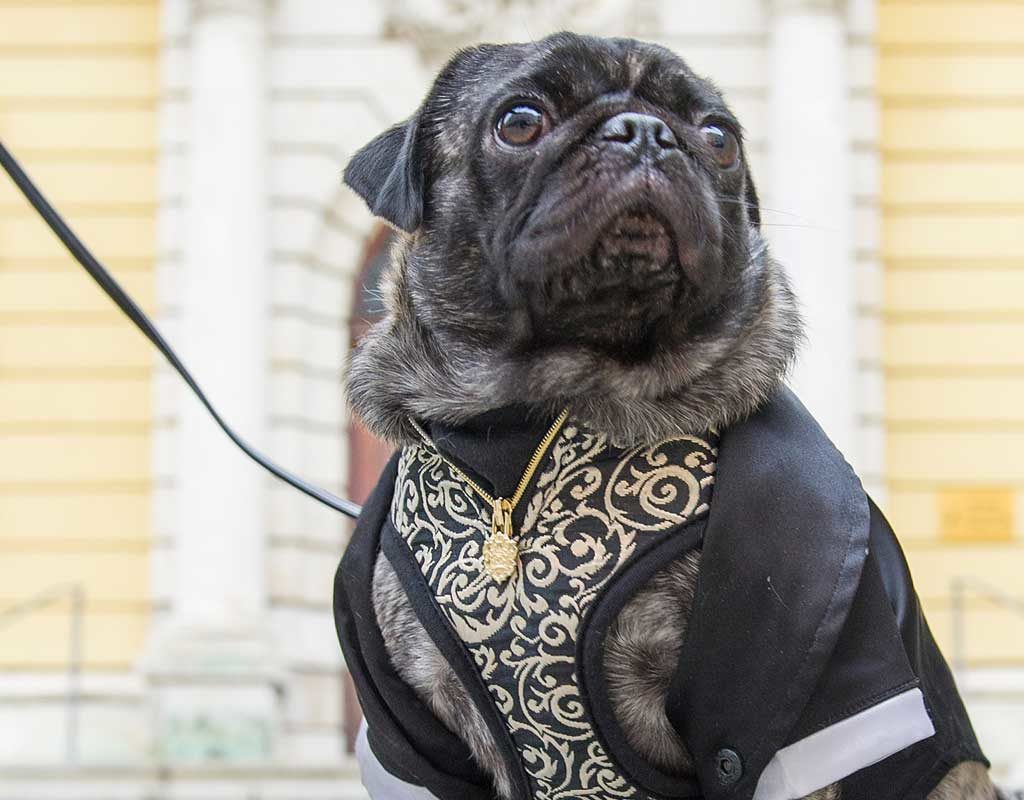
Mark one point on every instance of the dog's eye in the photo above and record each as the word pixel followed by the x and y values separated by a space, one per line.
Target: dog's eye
pixel 521 125
pixel 723 144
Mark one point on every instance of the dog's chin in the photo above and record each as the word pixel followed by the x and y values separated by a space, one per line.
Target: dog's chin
pixel 636 248
pixel 617 294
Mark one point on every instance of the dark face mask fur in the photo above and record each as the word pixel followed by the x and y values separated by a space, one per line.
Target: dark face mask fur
pixel 582 231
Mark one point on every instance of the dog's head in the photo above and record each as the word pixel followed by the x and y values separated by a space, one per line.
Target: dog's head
pixel 578 208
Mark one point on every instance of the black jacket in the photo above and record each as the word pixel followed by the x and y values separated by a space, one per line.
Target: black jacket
pixel 807 657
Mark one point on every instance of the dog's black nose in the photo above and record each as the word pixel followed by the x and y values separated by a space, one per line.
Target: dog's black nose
pixel 638 132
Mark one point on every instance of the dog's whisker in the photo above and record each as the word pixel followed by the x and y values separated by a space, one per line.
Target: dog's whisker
pixel 763 224
pixel 755 207
pixel 793 225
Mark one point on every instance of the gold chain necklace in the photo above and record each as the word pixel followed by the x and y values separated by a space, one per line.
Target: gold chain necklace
pixel 501 553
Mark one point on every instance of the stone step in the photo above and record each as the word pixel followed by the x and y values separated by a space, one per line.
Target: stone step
pixel 106 713
pixel 995 701
pixel 162 783
pixel 112 721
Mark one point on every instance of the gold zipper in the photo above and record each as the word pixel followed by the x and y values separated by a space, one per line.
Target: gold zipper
pixel 500 550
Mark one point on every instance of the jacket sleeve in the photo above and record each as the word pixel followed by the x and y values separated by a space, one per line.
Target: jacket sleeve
pixel 378 782
pixel 926 762
pixel 402 739
pixel 885 717
pixel 867 706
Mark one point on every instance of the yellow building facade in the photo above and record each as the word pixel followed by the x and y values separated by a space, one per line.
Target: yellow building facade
pixel 78 106
pixel 952 140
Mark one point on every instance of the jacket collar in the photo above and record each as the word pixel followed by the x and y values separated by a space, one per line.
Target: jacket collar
pixel 784 547
pixel 493 448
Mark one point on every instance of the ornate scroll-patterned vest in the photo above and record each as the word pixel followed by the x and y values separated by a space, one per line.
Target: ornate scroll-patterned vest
pixel 592 509
pixel 806 659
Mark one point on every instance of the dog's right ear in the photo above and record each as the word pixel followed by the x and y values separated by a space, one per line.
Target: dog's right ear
pixel 388 174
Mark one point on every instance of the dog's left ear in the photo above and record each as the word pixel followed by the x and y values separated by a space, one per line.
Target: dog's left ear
pixel 388 174
pixel 750 196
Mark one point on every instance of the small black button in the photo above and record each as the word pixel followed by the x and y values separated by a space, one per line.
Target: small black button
pixel 728 766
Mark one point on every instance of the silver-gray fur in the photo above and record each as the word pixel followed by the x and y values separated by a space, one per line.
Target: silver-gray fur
pixel 401 370
pixel 966 781
pixel 420 664
pixel 640 660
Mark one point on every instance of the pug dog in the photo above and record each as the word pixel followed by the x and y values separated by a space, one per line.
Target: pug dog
pixel 580 230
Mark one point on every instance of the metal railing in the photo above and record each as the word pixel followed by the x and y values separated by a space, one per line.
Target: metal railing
pixel 76 596
pixel 960 588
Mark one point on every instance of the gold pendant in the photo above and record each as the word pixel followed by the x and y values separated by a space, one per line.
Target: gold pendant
pixel 501 553
pixel 501 556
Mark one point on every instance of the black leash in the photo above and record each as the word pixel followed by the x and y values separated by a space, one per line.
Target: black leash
pixel 143 323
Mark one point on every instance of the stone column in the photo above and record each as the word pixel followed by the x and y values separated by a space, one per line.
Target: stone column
pixel 213 662
pixel 809 180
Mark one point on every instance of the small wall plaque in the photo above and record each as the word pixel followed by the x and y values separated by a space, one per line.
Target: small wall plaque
pixel 978 514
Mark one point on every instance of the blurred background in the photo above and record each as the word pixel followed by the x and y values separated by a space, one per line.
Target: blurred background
pixel 165 608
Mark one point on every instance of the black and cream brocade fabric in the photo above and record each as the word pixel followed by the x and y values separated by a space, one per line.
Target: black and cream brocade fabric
pixel 592 509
